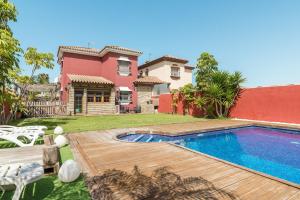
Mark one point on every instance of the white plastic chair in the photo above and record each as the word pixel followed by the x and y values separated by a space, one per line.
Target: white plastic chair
pixel 20 175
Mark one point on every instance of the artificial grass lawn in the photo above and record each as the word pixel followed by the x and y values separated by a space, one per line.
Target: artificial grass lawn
pixel 102 122
pixel 50 187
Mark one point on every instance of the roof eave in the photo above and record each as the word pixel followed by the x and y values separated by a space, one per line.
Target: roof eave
pixel 91 82
pixel 106 50
pixel 62 50
pixel 162 59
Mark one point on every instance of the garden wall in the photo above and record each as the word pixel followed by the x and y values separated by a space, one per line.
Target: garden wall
pixel 276 104
pixel 165 106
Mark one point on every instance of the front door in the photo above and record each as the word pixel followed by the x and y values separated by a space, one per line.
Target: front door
pixel 78 102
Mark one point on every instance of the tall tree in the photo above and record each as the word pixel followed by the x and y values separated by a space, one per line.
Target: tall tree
pixel 219 89
pixel 37 60
pixel 206 64
pixel 8 12
pixel 42 78
pixel 9 54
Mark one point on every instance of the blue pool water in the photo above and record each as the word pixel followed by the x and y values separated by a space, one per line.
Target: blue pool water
pixel 269 150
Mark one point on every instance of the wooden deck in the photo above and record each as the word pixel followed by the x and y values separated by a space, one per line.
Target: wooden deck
pixel 98 151
pixel 22 155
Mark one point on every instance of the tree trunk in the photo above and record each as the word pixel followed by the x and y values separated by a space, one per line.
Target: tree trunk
pixel 217 109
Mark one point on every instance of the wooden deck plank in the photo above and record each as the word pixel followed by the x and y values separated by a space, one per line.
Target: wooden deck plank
pixel 98 151
pixel 22 155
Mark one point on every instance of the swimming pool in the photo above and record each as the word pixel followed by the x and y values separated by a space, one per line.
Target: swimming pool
pixel 272 151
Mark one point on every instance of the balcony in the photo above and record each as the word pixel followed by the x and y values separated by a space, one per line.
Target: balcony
pixel 175 74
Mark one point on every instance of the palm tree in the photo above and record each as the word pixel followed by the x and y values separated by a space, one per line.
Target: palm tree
pixel 221 92
pixel 162 184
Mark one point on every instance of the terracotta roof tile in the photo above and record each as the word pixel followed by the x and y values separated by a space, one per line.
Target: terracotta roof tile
pixel 120 48
pixel 96 52
pixel 89 79
pixel 149 80
pixel 164 58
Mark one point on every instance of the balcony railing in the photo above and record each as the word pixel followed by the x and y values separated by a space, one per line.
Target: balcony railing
pixel 175 74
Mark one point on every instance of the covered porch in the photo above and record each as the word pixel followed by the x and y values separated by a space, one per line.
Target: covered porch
pixel 90 95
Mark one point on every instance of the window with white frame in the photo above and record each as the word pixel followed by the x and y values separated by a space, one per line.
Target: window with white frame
pixel 124 67
pixel 125 96
pixel 175 71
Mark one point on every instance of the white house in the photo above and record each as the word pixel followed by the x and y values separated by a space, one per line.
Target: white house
pixel 172 70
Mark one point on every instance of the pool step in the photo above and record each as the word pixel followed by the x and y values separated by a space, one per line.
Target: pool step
pixel 143 138
pixel 150 138
pixel 138 138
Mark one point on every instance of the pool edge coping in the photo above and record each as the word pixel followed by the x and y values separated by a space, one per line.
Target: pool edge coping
pixel 295 185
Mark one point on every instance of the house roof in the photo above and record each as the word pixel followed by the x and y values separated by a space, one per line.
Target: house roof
pixel 118 49
pixel 89 79
pixel 163 58
pixel 189 67
pixel 149 80
pixel 96 52
pixel 40 87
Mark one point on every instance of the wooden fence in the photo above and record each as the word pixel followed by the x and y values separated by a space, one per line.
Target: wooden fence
pixel 46 108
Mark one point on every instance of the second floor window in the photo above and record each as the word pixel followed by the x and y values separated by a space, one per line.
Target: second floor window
pixel 141 73
pixel 175 72
pixel 124 68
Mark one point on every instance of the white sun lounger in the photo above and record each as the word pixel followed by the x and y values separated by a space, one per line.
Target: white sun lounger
pixel 13 134
pixel 14 137
pixel 40 129
pixel 20 175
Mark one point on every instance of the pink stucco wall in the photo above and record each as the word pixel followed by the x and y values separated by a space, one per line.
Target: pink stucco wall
pixel 107 67
pixel 275 104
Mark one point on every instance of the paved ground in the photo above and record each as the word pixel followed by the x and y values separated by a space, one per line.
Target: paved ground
pixel 98 151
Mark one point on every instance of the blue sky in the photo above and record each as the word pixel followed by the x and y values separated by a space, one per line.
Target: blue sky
pixel 260 38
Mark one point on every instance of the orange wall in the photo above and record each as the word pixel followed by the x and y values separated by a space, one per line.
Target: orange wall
pixel 165 106
pixel 276 104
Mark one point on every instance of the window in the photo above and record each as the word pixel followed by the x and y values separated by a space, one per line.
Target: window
pixel 175 72
pixel 147 72
pixel 141 73
pixel 124 68
pixel 90 97
pixel 96 96
pixel 160 89
pixel 125 97
pixel 106 96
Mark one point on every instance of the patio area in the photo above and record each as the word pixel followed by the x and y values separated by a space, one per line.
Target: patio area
pixel 98 151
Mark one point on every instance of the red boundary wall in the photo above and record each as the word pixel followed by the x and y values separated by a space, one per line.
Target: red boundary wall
pixel 274 104
pixel 165 106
